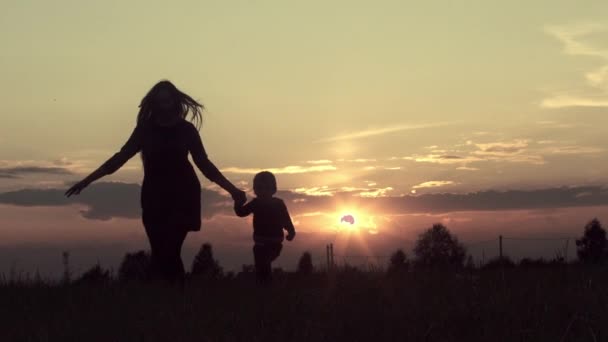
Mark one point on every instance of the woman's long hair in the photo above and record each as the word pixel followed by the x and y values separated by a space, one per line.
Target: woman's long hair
pixel 184 104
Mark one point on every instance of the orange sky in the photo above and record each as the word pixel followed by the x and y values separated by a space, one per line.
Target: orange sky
pixel 400 113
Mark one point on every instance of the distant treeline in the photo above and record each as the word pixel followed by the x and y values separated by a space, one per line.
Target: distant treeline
pixel 436 249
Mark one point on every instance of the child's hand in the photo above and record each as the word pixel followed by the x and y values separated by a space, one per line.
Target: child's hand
pixel 290 235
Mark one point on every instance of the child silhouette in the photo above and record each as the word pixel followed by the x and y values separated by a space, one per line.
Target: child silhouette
pixel 270 217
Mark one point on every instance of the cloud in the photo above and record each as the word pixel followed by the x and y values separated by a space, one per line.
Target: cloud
pixel 380 131
pixel 380 192
pixel 316 191
pixel 557 124
pixel 443 159
pixel 571 38
pixel 445 202
pixel 16 169
pixel 105 200
pixel 510 151
pixel 19 171
pixel 563 101
pixel 116 199
pixel 320 161
pixel 573 149
pixel 432 184
pixel 467 168
pixel 331 191
pixel 575 42
pixel 292 169
pixel 501 148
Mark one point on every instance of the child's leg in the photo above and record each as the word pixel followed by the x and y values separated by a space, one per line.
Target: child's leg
pixel 262 262
pixel 274 251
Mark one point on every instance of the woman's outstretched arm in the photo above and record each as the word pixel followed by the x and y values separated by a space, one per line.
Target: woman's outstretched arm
pixel 115 162
pixel 209 170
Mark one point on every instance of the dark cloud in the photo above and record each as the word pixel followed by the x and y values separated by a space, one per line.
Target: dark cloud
pixel 114 199
pixel 105 200
pixel 499 200
pixel 561 197
pixel 18 171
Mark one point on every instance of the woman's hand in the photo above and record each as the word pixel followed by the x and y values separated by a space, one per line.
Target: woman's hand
pixel 290 235
pixel 77 188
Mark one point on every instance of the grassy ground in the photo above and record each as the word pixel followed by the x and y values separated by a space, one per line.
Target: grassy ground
pixel 561 304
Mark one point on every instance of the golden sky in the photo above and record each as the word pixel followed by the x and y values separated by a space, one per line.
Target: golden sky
pixel 366 98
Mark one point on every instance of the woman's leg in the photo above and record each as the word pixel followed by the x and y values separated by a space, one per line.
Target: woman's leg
pixel 174 242
pixel 155 238
pixel 166 247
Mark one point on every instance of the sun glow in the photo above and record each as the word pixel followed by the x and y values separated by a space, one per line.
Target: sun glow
pixel 354 221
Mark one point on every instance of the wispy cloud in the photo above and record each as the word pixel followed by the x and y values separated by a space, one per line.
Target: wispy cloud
pixel 326 191
pixel 562 101
pixel 432 184
pixel 380 192
pixel 442 158
pixel 20 168
pixel 320 161
pixel 291 169
pixel 316 191
pixel 573 39
pixel 573 149
pixel 381 131
pixel 467 168
pixel 557 124
pixel 515 151
pixel 502 148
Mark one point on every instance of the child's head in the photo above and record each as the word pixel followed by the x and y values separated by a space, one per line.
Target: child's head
pixel 264 184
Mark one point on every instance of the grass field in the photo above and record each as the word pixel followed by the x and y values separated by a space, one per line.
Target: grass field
pixel 546 304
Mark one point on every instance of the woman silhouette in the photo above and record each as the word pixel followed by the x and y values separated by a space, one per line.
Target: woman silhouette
pixel 170 192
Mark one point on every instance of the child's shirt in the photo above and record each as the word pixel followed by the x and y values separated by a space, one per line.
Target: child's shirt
pixel 270 217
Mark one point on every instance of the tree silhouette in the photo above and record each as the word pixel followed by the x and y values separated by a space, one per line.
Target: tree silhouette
pixel 305 266
pixel 436 248
pixel 398 263
pixel 204 265
pixel 592 248
pixel 135 266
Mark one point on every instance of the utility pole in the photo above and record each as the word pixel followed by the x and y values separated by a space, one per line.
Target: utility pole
pixel 331 249
pixel 500 246
pixel 327 255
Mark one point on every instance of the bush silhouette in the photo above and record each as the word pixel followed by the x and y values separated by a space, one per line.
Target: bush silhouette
pixel 135 266
pixel 592 248
pixel 436 248
pixel 498 263
pixel 204 265
pixel 305 266
pixel 398 264
pixel 95 275
pixel 470 263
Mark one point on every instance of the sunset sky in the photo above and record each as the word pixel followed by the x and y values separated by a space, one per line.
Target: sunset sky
pixel 489 117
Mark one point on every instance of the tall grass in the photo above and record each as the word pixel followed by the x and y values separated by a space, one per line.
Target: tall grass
pixel 545 304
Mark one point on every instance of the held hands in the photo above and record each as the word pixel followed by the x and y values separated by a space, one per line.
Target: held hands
pixel 77 188
pixel 239 197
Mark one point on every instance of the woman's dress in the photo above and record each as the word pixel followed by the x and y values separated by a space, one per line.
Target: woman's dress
pixel 171 191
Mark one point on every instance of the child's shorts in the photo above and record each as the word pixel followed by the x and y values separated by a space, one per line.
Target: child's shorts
pixel 267 252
